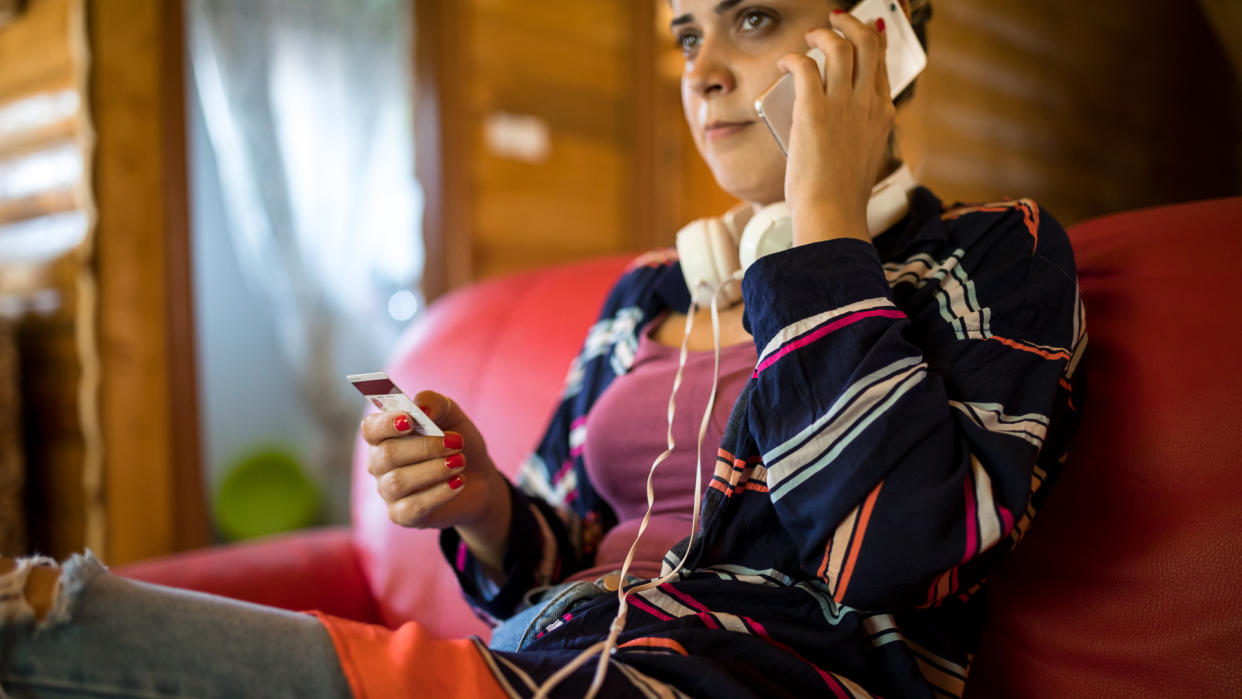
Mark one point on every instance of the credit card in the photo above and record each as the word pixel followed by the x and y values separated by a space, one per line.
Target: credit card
pixel 385 395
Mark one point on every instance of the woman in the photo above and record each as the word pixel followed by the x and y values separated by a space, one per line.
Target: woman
pixel 893 403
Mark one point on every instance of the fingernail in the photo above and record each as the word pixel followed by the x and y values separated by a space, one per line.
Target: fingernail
pixel 425 409
pixel 838 12
pixel 452 440
pixel 455 461
pixel 879 25
pixel 456 482
pixel 401 423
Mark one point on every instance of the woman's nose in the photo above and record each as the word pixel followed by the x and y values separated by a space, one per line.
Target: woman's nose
pixel 709 71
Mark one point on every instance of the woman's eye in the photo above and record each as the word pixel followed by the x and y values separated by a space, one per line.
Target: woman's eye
pixel 752 20
pixel 687 42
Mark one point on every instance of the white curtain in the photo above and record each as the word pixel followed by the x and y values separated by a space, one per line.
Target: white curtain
pixel 308 113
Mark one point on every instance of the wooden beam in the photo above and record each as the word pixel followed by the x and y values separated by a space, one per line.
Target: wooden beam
pixel 148 395
pixel 191 526
pixel 442 145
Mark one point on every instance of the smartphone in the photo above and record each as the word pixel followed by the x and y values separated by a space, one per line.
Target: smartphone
pixel 384 394
pixel 904 58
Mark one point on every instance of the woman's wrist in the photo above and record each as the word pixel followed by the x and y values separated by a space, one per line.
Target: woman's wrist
pixel 488 536
pixel 826 222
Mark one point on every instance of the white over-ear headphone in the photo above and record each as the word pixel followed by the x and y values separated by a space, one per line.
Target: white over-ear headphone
pixel 716 252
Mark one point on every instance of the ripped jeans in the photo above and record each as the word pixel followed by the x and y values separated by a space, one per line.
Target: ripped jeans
pixel 110 636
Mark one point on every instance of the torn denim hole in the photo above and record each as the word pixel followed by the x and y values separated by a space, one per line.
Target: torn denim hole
pixel 75 574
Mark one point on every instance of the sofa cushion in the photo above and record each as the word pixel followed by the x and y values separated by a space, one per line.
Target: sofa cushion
pixel 309 569
pixel 1127 584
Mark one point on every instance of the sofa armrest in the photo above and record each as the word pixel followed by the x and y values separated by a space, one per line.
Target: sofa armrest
pixel 313 569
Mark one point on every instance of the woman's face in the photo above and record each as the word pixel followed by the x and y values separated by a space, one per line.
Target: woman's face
pixel 731 48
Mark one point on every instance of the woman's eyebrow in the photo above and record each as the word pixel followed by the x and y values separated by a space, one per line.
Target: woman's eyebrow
pixel 721 7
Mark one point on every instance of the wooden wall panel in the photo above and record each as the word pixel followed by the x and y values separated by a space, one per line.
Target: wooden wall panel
pixel 513 227
pixel 509 49
pixel 1081 106
pixel 611 180
pixel 36 53
pixel 42 62
pixel 565 64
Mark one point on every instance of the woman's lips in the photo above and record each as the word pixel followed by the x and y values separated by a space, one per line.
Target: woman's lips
pixel 723 129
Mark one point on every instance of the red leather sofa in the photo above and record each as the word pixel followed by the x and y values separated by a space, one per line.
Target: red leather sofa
pixel 1127 585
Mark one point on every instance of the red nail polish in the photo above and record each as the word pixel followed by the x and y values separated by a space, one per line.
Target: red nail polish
pixel 401 423
pixel 452 440
pixel 838 12
pixel 456 482
pixel 425 410
pixel 455 461
pixel 879 25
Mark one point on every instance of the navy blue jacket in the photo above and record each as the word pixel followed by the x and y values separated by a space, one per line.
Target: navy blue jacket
pixel 912 401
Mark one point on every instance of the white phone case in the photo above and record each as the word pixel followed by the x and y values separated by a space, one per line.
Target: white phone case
pixel 904 58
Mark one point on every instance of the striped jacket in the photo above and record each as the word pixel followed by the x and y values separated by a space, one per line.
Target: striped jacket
pixel 912 402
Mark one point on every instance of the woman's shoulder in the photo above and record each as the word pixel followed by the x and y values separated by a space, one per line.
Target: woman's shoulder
pixel 1018 216
pixel 1007 226
pixel 1022 215
pixel 1009 255
pixel 653 260
pixel 651 281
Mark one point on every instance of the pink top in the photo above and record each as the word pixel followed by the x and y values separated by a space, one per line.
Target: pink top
pixel 626 431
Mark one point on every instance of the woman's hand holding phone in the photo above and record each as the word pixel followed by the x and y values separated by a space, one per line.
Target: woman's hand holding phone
pixel 841 126
pixel 438 482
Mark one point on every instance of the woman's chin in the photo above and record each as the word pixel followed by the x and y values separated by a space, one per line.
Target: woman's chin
pixel 747 187
pixel 751 176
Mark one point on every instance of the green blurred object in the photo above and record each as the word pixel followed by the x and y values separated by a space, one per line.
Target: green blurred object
pixel 265 492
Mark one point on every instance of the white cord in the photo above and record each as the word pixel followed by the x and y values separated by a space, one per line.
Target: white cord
pixel 607 647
